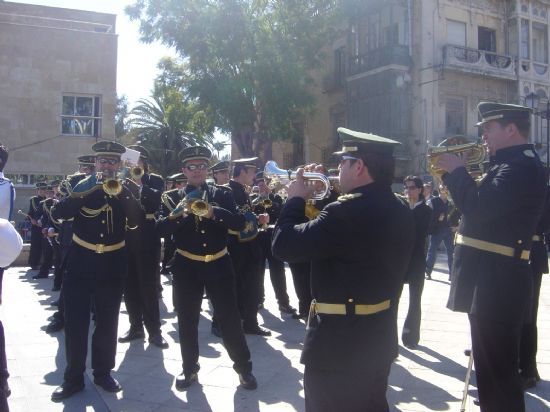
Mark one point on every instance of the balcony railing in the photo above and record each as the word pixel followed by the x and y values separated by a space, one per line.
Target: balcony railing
pixel 479 62
pixel 381 57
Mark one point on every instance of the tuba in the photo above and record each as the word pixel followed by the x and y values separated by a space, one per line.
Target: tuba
pixel 475 154
pixel 280 178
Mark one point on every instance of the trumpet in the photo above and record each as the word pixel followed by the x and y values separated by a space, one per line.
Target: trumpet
pixel 262 201
pixel 111 186
pixel 196 204
pixel 136 172
pixel 475 153
pixel 281 178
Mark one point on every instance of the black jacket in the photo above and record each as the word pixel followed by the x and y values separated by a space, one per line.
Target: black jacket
pixel 359 248
pixel 422 217
pixel 503 208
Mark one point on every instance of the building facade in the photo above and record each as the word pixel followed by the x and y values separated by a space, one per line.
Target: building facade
pixel 57 89
pixel 415 71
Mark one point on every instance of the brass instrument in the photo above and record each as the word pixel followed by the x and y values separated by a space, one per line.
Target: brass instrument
pixel 475 155
pixel 110 185
pixel 281 178
pixel 196 205
pixel 136 172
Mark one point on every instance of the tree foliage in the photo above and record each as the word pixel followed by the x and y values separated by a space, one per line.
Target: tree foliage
pixel 166 123
pixel 249 60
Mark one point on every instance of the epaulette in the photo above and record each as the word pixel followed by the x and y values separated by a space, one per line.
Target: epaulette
pixel 223 187
pixel 345 198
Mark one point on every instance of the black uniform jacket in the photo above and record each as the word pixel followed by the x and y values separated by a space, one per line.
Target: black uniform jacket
pixel 98 217
pixel 539 254
pixel 203 236
pixel 417 265
pixel 503 208
pixel 145 236
pixel 359 248
pixel 35 207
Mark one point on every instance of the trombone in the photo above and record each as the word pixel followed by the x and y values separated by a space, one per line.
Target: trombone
pixel 280 178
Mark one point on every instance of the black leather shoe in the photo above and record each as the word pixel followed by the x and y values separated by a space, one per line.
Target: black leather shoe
pixel 40 276
pixel 66 390
pixel 55 302
pixel 410 346
pixel 287 309
pixel 56 288
pixel 108 383
pixel 216 331
pixel 183 382
pixel 55 326
pixel 428 277
pixel 158 341
pixel 132 334
pixel 257 330
pixel 476 401
pixel 248 381
pixel 467 352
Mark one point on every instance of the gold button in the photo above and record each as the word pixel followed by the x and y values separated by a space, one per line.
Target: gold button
pixel 221 220
pixel 102 221
pixel 520 242
pixel 350 300
pixel 204 244
pixel 202 231
pixel 101 235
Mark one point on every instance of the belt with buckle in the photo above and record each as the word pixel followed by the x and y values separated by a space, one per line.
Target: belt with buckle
pixel 341 308
pixel 98 248
pixel 203 258
pixel 150 216
pixel 490 247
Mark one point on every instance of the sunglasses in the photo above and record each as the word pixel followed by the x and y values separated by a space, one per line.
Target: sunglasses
pixel 104 161
pixel 410 187
pixel 201 166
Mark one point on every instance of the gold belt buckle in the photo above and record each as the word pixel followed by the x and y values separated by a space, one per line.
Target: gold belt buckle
pixel 209 258
pixel 100 248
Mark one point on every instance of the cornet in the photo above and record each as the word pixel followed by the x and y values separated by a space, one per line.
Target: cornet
pixel 136 172
pixel 281 178
pixel 110 185
pixel 475 153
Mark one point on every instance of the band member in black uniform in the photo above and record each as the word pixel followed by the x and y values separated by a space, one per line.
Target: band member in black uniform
pixel 143 250
pixel 490 279
pixel 50 232
pixel 270 203
pixel 86 166
pixel 199 224
pixel 96 266
pixel 244 247
pixel 34 215
pixel 422 213
pixel 220 173
pixel 359 247
pixel 169 200
pixel 529 373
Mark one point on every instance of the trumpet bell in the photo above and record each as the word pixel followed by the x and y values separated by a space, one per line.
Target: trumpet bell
pixel 112 187
pixel 137 172
pixel 475 155
pixel 280 178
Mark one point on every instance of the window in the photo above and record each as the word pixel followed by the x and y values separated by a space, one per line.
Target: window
pixel 486 39
pixel 513 47
pixel 540 43
pixel 456 33
pixel 81 116
pixel 340 66
pixel 455 116
pixel 524 48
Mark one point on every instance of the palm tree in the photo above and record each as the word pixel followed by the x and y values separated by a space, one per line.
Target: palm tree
pixel 166 123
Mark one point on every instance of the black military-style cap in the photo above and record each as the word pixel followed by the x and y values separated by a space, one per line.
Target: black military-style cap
pixel 358 142
pixel 220 166
pixel 499 111
pixel 55 182
pixel 143 152
pixel 247 162
pixel 195 153
pixel 107 147
pixel 178 177
pixel 86 160
pixel 41 185
pixel 49 187
pixel 259 177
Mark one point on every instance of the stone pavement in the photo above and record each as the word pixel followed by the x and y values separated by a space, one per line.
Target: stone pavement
pixel 427 379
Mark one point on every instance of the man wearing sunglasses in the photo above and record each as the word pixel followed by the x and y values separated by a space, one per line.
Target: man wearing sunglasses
pixel 359 247
pixel 96 268
pixel 202 262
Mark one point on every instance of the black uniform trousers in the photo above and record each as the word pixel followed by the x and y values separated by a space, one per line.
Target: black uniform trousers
pixel 358 390
pixel 246 260
pixel 50 256
pixel 169 250
pixel 276 269
pixel 495 347
pixel 98 279
pixel 411 327
pixel 301 273
pixel 189 285
pixel 35 253
pixel 529 334
pixel 140 291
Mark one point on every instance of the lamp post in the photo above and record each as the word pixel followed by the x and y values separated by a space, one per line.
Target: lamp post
pixel 532 100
